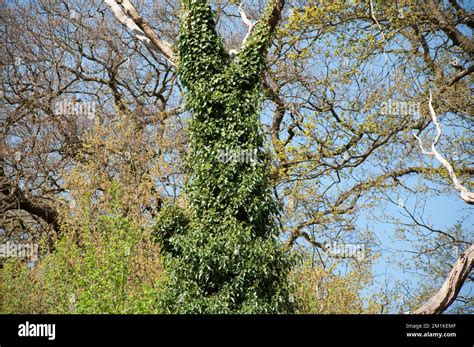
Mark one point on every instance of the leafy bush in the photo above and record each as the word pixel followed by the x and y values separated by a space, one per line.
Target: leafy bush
pixel 323 290
pixel 97 271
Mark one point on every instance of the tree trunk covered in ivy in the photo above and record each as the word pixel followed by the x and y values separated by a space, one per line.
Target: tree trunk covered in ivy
pixel 224 255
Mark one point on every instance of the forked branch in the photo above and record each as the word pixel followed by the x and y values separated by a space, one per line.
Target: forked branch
pixel 465 194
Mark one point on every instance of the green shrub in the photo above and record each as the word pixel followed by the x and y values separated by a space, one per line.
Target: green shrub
pixel 94 272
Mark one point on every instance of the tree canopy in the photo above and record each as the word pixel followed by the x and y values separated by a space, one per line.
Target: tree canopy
pixel 276 156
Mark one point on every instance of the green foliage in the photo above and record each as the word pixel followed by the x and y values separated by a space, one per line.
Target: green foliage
pixel 173 221
pixel 91 273
pixel 319 290
pixel 226 258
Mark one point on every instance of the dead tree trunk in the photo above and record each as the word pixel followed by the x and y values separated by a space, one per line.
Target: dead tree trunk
pixel 451 287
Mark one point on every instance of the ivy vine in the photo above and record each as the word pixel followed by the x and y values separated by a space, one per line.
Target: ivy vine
pixel 223 255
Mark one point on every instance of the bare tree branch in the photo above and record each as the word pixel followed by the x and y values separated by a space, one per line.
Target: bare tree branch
pixel 462 74
pixel 265 26
pixel 248 23
pixel 127 14
pixel 12 198
pixel 466 195
pixel 449 28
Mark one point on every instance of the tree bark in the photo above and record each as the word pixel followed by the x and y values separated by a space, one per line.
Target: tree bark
pixel 451 287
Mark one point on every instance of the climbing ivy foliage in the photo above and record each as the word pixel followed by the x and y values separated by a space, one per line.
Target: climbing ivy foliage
pixel 223 254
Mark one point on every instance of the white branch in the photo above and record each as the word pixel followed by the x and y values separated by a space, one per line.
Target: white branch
pixel 466 195
pixel 451 287
pixel 248 23
pixel 127 15
pixel 128 22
